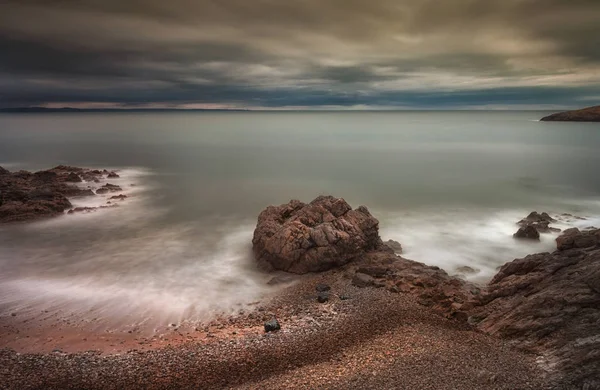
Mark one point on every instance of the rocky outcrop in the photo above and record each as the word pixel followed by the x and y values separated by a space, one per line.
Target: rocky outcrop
pixel 549 303
pixel 528 232
pixel 432 286
pixel 589 114
pixel 574 238
pixel 326 233
pixel 541 223
pixel 26 196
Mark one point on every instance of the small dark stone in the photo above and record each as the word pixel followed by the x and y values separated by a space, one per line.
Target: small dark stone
pixel 323 297
pixel 13 314
pixel 272 325
pixel 345 297
pixel 322 287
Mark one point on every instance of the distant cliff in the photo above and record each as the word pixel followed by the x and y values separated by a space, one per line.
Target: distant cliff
pixel 589 114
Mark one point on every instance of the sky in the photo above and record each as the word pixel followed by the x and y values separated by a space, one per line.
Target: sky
pixel 300 54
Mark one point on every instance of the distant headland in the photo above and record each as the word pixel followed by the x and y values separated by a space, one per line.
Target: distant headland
pixel 589 114
pixel 27 110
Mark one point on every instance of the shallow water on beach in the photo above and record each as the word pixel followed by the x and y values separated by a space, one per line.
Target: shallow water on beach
pixel 449 186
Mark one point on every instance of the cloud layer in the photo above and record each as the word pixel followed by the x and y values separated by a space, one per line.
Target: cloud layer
pixel 300 53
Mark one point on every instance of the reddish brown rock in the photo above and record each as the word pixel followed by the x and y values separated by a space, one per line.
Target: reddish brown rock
pixel 27 196
pixel 549 303
pixel 574 238
pixel 326 233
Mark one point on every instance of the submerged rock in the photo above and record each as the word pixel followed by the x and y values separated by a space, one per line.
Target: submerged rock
pixel 108 188
pixel 326 233
pixel 527 232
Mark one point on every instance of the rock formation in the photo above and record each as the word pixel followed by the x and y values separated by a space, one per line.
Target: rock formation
pixel 26 196
pixel 528 232
pixel 589 114
pixel 549 303
pixel 541 223
pixel 326 233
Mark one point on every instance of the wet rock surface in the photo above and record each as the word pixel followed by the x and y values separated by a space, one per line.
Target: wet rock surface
pixel 539 222
pixel 326 233
pixel 549 303
pixel 528 232
pixel 26 196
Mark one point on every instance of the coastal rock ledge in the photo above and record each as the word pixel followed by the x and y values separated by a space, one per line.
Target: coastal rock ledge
pixel 315 237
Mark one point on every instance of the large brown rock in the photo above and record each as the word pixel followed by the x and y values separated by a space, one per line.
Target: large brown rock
pixel 549 303
pixel 326 233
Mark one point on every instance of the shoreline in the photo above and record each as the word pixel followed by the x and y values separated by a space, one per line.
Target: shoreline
pixel 337 343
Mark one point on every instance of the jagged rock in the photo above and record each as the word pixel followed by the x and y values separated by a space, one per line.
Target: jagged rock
pixel 4 171
pixel 113 175
pixel 394 245
pixel 73 178
pixel 527 232
pixel 326 233
pixel 118 197
pixel 27 196
pixel 272 325
pixel 574 238
pixel 541 222
pixel 549 303
pixel 108 188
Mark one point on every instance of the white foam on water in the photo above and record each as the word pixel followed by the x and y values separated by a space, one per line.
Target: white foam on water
pixel 482 240
pixel 155 279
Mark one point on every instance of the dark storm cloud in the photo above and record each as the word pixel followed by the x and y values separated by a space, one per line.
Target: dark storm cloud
pixel 271 53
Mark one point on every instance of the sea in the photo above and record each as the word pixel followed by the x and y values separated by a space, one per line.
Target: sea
pixel 448 185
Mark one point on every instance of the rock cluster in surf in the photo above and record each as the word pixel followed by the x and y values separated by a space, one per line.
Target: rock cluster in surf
pixel 26 196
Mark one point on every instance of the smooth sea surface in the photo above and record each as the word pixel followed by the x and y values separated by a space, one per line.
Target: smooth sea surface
pixel 450 186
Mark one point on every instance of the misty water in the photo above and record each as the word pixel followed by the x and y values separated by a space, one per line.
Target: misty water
pixel 449 186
